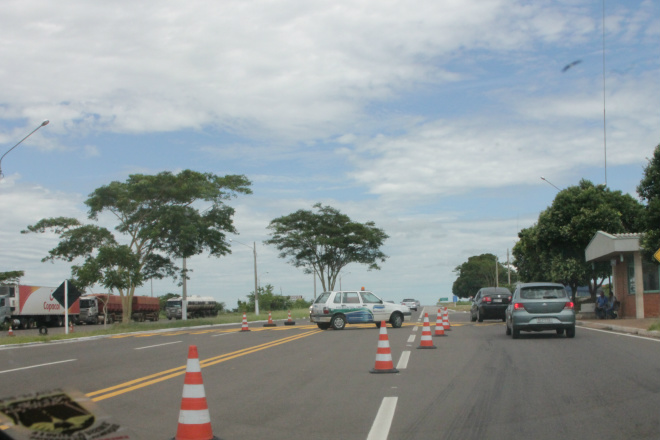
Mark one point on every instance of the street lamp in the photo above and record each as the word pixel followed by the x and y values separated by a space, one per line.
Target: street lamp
pixel 19 143
pixel 256 291
pixel 550 183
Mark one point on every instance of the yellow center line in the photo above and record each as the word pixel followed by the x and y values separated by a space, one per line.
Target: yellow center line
pixel 145 381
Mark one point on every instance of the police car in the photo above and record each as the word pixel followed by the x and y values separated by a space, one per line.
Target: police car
pixel 336 309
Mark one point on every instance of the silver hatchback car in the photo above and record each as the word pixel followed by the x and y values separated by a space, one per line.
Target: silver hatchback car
pixel 539 307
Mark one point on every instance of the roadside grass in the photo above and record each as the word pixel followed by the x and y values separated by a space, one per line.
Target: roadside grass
pixel 133 327
pixel 655 327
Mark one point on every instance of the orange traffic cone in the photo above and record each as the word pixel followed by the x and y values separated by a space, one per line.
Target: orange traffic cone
pixel 11 331
pixel 445 320
pixel 289 321
pixel 244 327
pixel 194 417
pixel 384 362
pixel 439 328
pixel 270 322
pixel 426 341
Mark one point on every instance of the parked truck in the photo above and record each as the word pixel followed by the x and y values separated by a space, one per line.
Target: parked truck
pixel 196 307
pixel 33 306
pixel 94 307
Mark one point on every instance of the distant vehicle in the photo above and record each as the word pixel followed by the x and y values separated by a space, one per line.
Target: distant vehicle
pixel 412 304
pixel 336 309
pixel 196 307
pixel 94 307
pixel 33 306
pixel 539 307
pixel 490 303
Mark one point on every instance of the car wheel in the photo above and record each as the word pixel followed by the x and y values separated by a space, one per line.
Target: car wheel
pixel 377 324
pixel 515 333
pixel 396 320
pixel 560 331
pixel 570 332
pixel 503 318
pixel 338 322
pixel 508 330
pixel 479 317
pixel 323 325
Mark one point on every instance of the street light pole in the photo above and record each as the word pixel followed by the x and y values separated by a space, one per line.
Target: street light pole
pixel 19 143
pixel 550 183
pixel 256 291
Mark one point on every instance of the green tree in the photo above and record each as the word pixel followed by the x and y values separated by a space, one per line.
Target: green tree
pixel 11 277
pixel 649 191
pixel 158 225
pixel 477 272
pixel 326 241
pixel 268 300
pixel 553 248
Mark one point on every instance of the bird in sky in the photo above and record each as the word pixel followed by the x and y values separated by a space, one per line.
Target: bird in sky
pixel 568 66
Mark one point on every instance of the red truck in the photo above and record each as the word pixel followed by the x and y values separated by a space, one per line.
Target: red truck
pixel 93 308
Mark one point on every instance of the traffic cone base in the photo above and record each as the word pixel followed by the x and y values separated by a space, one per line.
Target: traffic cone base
pixel 270 322
pixel 194 417
pixel 384 362
pixel 426 341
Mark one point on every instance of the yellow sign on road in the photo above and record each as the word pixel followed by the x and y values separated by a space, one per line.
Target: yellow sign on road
pixel 657 255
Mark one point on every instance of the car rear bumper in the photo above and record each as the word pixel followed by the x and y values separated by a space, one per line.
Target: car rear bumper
pixel 496 310
pixel 319 318
pixel 540 323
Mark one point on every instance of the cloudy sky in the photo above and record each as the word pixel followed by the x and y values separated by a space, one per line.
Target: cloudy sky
pixel 435 119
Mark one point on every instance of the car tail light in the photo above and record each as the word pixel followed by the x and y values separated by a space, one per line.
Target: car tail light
pixel 487 299
pixel 518 306
pixel 509 298
pixel 326 311
pixel 569 305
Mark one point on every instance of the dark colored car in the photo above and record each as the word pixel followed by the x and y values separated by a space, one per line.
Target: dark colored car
pixel 490 303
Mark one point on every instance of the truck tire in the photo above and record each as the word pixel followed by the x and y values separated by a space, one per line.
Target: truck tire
pixel 43 330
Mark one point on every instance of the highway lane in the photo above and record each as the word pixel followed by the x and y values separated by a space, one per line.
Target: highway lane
pixel 297 382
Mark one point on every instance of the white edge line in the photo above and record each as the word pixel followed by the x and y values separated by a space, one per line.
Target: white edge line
pixel 403 360
pixel 612 332
pixel 159 345
pixel 381 427
pixel 40 365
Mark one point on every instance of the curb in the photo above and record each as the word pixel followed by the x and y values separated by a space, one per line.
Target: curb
pixel 620 329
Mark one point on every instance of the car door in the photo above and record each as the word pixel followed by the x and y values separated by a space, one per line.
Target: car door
pixel 353 308
pixel 375 305
pixel 475 305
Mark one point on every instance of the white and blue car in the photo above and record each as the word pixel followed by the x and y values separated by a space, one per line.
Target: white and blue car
pixel 336 309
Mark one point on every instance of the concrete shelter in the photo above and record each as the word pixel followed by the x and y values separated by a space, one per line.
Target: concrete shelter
pixel 635 281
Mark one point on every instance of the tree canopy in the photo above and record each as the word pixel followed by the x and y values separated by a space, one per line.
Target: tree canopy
pixel 649 191
pixel 477 272
pixel 11 277
pixel 326 241
pixel 553 249
pixel 156 223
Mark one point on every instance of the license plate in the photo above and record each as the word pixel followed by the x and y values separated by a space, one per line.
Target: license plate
pixel 545 321
pixel 497 300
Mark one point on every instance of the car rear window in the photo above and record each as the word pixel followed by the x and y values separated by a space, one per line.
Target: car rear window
pixel 543 292
pixel 408 300
pixel 322 298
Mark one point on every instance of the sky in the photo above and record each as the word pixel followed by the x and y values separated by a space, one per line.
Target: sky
pixel 435 119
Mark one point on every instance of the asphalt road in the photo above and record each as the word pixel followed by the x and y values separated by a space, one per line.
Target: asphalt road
pixel 298 382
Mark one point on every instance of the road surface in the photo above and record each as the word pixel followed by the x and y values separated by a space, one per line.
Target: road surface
pixel 298 382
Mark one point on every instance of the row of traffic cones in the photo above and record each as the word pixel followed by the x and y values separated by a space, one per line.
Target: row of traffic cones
pixel 270 323
pixel 384 363
pixel 194 417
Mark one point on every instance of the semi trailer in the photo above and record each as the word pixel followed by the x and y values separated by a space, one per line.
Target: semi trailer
pixel 196 307
pixel 95 307
pixel 24 307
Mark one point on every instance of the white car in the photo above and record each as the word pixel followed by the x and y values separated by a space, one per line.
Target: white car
pixel 336 309
pixel 412 304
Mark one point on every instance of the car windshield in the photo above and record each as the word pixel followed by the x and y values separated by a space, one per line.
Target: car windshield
pixel 408 300
pixel 543 292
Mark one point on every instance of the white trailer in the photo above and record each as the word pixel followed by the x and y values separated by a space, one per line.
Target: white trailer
pixel 32 306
